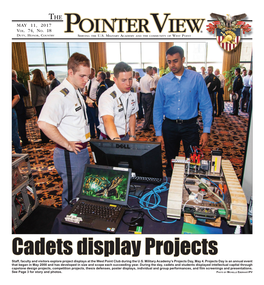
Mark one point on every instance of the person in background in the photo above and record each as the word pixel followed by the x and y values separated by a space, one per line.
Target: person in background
pixel 220 103
pixel 140 107
pixel 39 88
pixel 204 74
pixel 236 93
pixel 249 106
pixel 101 88
pixel 245 91
pixel 15 136
pixel 147 85
pixel 213 86
pixel 108 81
pixel 135 85
pixel 137 76
pixel 156 78
pixel 102 85
pixel 90 99
pixel 54 81
pixel 20 108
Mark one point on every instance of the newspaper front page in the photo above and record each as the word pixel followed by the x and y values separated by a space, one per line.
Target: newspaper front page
pixel 127 258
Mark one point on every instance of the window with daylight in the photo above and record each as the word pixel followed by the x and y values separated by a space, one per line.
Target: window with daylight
pixel 53 56
pixel 206 53
pixel 246 57
pixel 137 55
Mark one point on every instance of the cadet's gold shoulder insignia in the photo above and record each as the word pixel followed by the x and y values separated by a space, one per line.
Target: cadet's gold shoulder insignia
pixel 64 91
pixel 113 94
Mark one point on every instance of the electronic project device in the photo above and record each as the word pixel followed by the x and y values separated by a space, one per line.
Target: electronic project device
pixel 206 189
pixel 143 157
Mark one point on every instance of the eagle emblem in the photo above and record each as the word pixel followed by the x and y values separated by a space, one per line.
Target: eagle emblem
pixel 228 30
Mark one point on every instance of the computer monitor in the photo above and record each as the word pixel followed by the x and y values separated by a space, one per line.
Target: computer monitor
pixel 143 157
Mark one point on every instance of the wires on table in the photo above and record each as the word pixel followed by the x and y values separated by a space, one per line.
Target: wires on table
pixel 222 201
pixel 151 201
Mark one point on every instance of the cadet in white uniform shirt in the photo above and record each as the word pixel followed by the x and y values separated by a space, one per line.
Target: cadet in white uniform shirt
pixel 118 106
pixel 156 76
pixel 64 120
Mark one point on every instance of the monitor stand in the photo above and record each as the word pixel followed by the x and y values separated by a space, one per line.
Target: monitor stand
pixel 136 189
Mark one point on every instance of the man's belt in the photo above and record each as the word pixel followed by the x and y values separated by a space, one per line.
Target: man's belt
pixel 107 137
pixel 81 145
pixel 146 93
pixel 178 121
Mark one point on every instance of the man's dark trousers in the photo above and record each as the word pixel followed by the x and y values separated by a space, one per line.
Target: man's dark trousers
pixel 147 101
pixel 174 133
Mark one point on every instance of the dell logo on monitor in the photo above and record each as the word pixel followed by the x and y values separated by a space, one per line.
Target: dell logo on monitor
pixel 122 145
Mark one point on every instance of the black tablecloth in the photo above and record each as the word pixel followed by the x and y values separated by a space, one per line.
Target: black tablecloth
pixel 150 226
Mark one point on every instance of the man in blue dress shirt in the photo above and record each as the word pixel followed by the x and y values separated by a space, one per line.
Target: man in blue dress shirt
pixel 177 97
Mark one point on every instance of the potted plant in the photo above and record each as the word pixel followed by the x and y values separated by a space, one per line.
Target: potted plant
pixel 163 71
pixel 23 77
pixel 105 69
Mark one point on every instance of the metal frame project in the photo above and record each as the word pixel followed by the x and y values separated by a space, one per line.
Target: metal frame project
pixel 189 193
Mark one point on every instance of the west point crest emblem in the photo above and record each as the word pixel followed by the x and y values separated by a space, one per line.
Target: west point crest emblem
pixel 228 30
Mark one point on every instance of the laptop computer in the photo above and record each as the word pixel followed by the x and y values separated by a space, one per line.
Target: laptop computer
pixel 102 199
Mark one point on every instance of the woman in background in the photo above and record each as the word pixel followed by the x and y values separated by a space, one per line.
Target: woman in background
pixel 39 91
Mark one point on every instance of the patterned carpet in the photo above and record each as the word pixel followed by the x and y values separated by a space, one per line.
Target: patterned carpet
pixel 228 133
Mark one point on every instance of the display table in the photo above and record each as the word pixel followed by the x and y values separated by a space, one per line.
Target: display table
pixel 150 226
